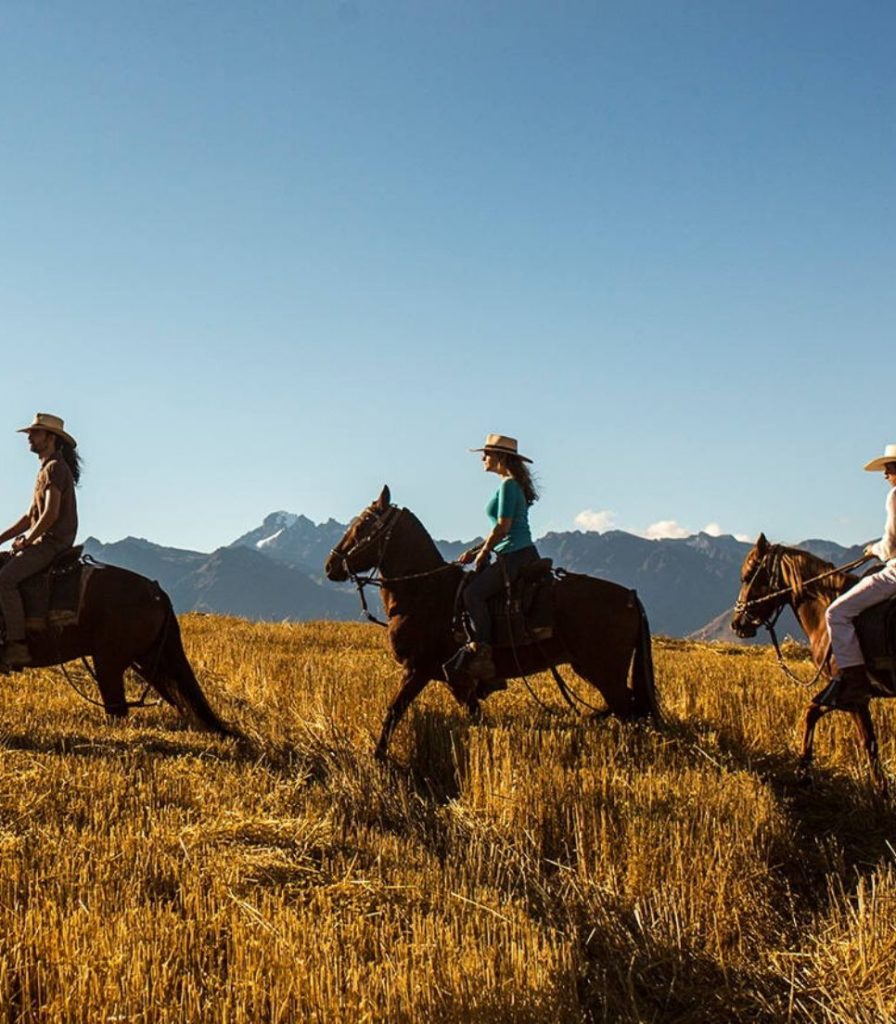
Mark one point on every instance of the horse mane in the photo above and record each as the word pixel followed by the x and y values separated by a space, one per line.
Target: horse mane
pixel 426 546
pixel 798 565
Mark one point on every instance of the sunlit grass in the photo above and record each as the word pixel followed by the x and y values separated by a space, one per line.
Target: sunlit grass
pixel 534 867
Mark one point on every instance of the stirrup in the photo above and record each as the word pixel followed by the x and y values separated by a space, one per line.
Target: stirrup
pixel 15 655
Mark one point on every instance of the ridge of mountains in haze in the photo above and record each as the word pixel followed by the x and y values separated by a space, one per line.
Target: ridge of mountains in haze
pixel 275 573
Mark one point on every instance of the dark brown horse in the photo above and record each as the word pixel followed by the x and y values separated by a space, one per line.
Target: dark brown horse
pixel 601 629
pixel 773 576
pixel 126 621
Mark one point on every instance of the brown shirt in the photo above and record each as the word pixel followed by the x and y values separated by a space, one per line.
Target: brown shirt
pixel 55 473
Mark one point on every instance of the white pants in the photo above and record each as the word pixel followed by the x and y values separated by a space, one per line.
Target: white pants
pixel 842 613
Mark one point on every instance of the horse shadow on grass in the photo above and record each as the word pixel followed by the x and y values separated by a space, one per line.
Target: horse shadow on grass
pixel 179 741
pixel 623 973
pixel 840 825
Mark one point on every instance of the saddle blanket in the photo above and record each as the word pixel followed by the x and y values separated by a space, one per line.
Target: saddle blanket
pixel 527 615
pixel 876 629
pixel 52 598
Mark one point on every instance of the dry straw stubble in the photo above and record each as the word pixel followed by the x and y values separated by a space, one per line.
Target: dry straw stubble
pixel 530 868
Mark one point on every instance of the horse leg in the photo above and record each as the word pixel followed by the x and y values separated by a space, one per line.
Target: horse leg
pixel 861 715
pixel 110 679
pixel 611 681
pixel 409 688
pixel 814 713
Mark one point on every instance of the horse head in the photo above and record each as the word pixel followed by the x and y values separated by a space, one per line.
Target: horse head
pixel 364 542
pixel 761 588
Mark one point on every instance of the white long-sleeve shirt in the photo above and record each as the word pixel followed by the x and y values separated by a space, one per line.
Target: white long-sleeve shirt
pixel 885 548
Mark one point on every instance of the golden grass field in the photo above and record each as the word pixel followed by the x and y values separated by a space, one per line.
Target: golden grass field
pixel 533 867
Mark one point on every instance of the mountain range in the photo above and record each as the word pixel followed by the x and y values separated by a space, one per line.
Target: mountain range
pixel 275 572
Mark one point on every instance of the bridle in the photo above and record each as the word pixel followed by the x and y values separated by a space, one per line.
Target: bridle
pixel 780 588
pixel 381 534
pixel 775 578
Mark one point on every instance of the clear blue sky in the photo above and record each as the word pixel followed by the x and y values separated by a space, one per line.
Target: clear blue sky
pixel 266 256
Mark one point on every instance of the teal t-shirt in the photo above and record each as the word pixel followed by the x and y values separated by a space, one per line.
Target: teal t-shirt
pixel 509 502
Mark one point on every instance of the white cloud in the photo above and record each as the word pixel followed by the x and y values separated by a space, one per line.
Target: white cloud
pixel 662 529
pixel 714 530
pixel 746 538
pixel 666 528
pixel 596 521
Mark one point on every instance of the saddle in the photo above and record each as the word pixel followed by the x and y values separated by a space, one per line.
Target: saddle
pixel 876 629
pixel 52 597
pixel 525 615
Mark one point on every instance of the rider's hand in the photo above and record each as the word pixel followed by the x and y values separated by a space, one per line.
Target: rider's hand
pixel 869 551
pixel 481 559
pixel 20 543
pixel 466 557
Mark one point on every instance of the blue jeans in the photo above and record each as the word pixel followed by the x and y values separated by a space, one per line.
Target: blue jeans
pixel 490 581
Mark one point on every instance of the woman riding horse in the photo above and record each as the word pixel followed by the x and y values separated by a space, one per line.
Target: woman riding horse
pixel 510 539
pixel 852 683
pixel 601 628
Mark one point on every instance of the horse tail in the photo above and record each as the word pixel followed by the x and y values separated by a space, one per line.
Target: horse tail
pixel 168 669
pixel 643 678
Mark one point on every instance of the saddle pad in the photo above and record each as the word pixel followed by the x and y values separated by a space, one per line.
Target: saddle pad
pixel 53 599
pixel 876 629
pixel 529 619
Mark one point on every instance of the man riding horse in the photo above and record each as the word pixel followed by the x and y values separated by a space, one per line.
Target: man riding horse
pixel 852 683
pixel 46 530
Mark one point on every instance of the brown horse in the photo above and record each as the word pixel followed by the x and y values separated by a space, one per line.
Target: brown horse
pixel 127 621
pixel 773 576
pixel 601 629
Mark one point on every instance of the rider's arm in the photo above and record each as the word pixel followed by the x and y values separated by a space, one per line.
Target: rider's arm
pixel 499 532
pixel 48 515
pixel 885 548
pixel 15 529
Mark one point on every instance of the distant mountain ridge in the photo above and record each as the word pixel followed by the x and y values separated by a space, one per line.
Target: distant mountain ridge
pixel 294 540
pixel 275 572
pixel 230 581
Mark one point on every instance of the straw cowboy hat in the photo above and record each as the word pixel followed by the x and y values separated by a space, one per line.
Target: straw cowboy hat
pixel 502 445
pixel 889 455
pixel 47 421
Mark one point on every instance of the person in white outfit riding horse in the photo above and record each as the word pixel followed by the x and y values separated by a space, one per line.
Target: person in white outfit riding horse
pixel 852 683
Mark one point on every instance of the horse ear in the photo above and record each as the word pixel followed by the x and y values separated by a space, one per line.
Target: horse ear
pixel 761 543
pixel 385 498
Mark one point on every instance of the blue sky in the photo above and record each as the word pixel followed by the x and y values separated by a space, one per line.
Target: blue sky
pixel 267 256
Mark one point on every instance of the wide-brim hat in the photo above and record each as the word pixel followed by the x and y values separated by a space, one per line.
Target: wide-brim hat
pixel 502 445
pixel 889 455
pixel 53 424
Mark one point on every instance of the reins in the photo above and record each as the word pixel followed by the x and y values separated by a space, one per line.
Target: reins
pixel 743 605
pixel 823 669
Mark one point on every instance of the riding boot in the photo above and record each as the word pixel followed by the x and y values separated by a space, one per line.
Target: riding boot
pixel 15 654
pixel 851 686
pixel 481 665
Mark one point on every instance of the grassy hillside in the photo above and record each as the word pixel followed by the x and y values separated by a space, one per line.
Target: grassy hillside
pixel 532 868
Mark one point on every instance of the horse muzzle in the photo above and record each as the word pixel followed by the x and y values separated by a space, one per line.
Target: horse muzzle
pixel 743 628
pixel 335 568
